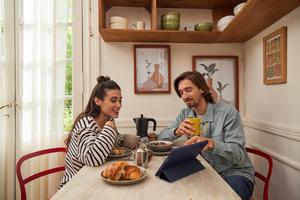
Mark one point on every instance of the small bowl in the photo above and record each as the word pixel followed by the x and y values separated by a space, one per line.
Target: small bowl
pixel 160 146
pixel 204 27
pixel 171 16
pixel 170 25
pixel 225 20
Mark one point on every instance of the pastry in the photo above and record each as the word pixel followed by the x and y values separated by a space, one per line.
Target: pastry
pixel 117 150
pixel 115 171
pixel 131 172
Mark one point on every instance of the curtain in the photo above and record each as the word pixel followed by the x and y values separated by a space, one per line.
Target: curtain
pixel 7 117
pixel 43 47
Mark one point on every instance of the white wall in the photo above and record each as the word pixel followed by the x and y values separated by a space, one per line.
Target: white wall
pixel 272 111
pixel 117 61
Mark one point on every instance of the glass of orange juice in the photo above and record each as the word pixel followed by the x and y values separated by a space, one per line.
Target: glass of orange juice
pixel 196 125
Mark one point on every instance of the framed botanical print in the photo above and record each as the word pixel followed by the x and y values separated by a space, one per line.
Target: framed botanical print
pixel 275 55
pixel 221 74
pixel 152 69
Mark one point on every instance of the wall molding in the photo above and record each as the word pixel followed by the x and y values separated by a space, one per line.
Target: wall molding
pixel 278 157
pixel 273 129
pixel 129 123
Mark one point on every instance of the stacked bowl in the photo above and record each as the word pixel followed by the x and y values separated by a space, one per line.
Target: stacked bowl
pixel 117 22
pixel 170 21
pixel 238 8
pixel 224 21
pixel 207 26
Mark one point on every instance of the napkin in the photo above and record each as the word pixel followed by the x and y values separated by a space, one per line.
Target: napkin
pixel 181 162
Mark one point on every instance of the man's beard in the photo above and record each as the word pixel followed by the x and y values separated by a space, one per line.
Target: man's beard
pixel 191 104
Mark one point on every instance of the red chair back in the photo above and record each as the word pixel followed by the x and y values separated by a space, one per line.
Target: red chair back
pixel 265 179
pixel 24 181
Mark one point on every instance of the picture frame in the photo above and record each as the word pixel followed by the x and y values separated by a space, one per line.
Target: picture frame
pixel 152 69
pixel 275 57
pixel 221 74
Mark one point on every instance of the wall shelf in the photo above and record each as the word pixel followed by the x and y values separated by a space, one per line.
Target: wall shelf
pixel 128 35
pixel 255 17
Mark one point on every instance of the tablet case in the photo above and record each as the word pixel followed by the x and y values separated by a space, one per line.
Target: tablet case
pixel 181 162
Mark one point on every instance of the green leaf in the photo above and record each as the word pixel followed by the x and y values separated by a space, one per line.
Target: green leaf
pixel 205 67
pixel 224 86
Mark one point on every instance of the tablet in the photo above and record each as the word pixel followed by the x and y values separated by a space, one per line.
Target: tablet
pixel 181 155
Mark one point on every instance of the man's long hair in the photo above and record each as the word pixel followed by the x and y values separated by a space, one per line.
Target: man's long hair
pixel 198 80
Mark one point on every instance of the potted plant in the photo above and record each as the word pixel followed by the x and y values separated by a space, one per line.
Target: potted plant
pixel 209 72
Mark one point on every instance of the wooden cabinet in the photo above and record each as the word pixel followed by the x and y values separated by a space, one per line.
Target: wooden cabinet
pixel 254 17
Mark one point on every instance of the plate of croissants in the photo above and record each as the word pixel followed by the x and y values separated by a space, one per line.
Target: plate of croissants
pixel 119 152
pixel 122 173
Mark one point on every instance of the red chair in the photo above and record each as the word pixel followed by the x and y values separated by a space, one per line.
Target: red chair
pixel 265 179
pixel 23 181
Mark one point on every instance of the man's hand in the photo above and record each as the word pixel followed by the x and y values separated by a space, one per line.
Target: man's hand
pixel 210 145
pixel 185 128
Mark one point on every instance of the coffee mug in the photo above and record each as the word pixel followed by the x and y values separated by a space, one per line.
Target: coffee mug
pixel 196 125
pixel 131 140
pixel 140 25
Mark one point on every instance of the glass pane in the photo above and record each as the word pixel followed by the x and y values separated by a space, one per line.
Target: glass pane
pixel 70 17
pixel 68 81
pixel 68 115
pixel 69 42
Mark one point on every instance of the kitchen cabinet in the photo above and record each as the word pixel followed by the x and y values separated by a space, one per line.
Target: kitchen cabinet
pixel 253 18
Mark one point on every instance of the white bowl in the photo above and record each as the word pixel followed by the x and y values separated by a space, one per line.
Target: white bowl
pixel 238 8
pixel 225 20
pixel 118 26
pixel 221 28
pixel 117 19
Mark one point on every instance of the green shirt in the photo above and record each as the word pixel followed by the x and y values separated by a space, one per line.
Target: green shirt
pixel 222 123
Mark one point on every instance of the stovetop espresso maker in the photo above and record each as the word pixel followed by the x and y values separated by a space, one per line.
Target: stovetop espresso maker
pixel 142 125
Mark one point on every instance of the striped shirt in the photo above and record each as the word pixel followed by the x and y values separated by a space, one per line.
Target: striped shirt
pixel 89 145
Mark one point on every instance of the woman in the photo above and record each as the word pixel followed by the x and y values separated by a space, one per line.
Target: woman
pixel 94 132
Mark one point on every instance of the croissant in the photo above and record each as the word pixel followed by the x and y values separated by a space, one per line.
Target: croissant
pixel 118 150
pixel 115 171
pixel 131 172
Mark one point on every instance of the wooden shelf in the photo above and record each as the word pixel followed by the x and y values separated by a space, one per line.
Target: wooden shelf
pixel 254 17
pixel 203 4
pixel 128 35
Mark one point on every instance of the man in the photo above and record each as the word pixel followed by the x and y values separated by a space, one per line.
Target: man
pixel 222 128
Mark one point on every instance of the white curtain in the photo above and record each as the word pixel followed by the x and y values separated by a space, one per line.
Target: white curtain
pixel 7 119
pixel 43 46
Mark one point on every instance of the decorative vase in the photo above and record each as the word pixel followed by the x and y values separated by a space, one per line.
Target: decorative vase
pixel 157 77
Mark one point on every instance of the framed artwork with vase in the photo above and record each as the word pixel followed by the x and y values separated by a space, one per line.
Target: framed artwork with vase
pixel 275 56
pixel 152 69
pixel 222 76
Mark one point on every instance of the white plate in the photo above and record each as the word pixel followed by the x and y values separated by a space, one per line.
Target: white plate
pixel 127 153
pixel 126 182
pixel 161 153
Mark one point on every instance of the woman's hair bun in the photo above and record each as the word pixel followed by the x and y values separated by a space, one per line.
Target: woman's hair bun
pixel 102 79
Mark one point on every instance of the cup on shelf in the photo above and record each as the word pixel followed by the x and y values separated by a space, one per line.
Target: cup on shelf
pixel 140 25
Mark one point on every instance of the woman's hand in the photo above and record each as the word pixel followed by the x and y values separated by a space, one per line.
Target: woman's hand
pixel 185 128
pixel 112 124
pixel 210 145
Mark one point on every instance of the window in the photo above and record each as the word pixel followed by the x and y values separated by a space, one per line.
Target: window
pixel 68 105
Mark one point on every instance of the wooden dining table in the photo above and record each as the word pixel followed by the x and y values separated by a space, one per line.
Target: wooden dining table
pixel 206 184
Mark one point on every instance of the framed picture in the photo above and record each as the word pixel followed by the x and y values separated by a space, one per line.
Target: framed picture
pixel 152 69
pixel 221 74
pixel 275 57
